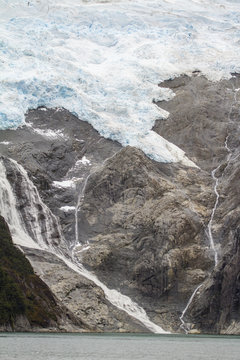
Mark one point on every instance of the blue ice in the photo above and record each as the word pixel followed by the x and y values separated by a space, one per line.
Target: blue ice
pixel 103 60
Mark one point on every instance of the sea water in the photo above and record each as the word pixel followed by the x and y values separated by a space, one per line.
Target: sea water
pixel 28 346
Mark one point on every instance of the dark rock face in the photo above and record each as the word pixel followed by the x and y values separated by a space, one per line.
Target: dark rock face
pixel 202 115
pixel 51 149
pixel 205 119
pixel 216 309
pixel 81 296
pixel 26 303
pixel 48 159
pixel 145 223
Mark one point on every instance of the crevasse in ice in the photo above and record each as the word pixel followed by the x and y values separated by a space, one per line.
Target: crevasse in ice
pixel 102 60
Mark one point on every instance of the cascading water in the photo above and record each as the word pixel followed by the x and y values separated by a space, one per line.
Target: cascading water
pixel 117 299
pixel 8 209
pixel 26 231
pixel 216 182
pixel 77 209
pixel 38 222
pixel 209 226
pixel 184 326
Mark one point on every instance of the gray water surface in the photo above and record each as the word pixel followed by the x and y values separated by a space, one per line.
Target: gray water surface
pixel 28 346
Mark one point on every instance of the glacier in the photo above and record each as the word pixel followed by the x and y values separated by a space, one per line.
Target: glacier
pixel 103 60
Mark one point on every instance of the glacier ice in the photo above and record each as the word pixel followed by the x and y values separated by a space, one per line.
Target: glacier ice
pixel 102 60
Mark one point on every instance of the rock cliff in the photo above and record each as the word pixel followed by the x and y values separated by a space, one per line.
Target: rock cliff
pixel 26 302
pixel 143 228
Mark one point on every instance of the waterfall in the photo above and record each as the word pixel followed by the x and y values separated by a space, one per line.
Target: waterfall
pixel 78 208
pixel 184 326
pixel 36 227
pixel 117 299
pixel 216 182
pixel 30 214
pixel 8 209
pixel 209 226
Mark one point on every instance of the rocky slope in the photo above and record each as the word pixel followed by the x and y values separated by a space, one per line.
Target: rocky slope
pixel 51 160
pixel 216 308
pixel 143 227
pixel 146 226
pixel 26 302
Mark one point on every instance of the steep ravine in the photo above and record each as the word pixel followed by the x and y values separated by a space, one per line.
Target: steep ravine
pixel 145 223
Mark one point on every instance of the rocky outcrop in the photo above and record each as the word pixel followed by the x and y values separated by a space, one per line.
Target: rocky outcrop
pixel 212 110
pixel 26 302
pixel 142 225
pixel 82 296
pixel 201 115
pixel 58 151
pixel 52 162
pixel 146 224
pixel 216 308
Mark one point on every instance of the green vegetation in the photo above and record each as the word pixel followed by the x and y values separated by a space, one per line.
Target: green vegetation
pixel 21 291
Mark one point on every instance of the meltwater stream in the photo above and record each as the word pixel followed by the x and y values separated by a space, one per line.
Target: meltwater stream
pixel 184 326
pixel 119 300
pixel 21 228
pixel 8 209
pixel 216 181
pixel 209 227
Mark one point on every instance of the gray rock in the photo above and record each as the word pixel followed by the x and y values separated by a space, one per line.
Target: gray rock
pixel 216 309
pixel 146 225
pixel 146 222
pixel 80 295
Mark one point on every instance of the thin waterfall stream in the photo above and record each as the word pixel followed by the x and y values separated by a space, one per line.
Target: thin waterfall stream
pixel 30 235
pixel 183 325
pixel 117 299
pixel 216 181
pixel 209 227
pixel 77 209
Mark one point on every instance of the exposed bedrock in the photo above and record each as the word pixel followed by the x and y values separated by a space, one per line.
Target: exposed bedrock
pixel 201 115
pixel 66 158
pixel 146 222
pixel 81 296
pixel 146 225
pixel 26 302
pixel 205 121
pixel 216 308
pixel 58 151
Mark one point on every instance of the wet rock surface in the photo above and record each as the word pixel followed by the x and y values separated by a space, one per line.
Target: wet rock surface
pixel 58 151
pixel 201 115
pixel 205 118
pixel 146 226
pixel 142 225
pixel 216 308
pixel 80 295
pixel 26 302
